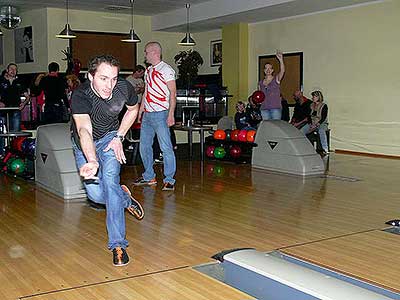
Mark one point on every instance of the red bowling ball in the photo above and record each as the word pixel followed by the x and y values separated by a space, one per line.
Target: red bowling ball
pixel 234 135
pixel 235 151
pixel 242 136
pixel 210 151
pixel 219 134
pixel 258 97
pixel 251 134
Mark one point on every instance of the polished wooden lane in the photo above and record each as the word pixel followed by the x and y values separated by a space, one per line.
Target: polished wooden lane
pixel 370 256
pixel 46 245
pixel 176 284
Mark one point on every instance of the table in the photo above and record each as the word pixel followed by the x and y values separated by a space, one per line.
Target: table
pixel 190 129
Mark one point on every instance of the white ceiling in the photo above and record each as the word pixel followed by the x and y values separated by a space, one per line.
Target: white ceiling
pixel 170 15
pixel 142 7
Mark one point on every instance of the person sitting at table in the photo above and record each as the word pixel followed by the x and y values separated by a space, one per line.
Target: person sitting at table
pixel 12 89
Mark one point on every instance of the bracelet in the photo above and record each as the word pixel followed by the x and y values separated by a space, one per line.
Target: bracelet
pixel 120 137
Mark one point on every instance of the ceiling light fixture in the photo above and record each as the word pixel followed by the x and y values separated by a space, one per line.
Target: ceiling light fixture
pixel 132 36
pixel 67 32
pixel 187 40
pixel 9 18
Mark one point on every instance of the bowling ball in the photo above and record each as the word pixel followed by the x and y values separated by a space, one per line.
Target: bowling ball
pixel 210 151
pixel 219 170
pixel 234 135
pixel 228 134
pixel 219 152
pixel 251 134
pixel 17 166
pixel 14 143
pixel 235 151
pixel 258 97
pixel 32 147
pixel 242 136
pixel 219 134
pixel 19 142
pixel 9 162
pixel 25 145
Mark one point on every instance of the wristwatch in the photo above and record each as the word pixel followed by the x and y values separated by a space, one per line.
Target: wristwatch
pixel 120 137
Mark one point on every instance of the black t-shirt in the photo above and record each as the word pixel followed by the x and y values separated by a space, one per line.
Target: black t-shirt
pixel 54 90
pixel 253 115
pixel 11 92
pixel 241 120
pixel 301 111
pixel 103 113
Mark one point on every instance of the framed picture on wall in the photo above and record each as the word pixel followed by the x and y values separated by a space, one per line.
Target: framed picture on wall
pixel 23 38
pixel 216 53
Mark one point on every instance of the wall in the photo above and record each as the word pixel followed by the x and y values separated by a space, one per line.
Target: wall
pixel 235 73
pixel 38 20
pixel 49 22
pixel 352 56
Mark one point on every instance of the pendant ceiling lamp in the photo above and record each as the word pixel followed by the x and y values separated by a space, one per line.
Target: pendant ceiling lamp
pixel 132 36
pixel 187 40
pixel 67 32
pixel 9 17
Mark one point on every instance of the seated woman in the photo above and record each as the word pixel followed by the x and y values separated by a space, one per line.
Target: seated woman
pixel 318 120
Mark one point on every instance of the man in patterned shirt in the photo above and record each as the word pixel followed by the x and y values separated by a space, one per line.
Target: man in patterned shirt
pixel 157 107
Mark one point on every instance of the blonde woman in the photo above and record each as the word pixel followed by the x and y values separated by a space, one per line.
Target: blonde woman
pixel 318 120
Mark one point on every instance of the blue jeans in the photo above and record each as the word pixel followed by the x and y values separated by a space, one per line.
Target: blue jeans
pixel 155 123
pixel 271 114
pixel 15 125
pixel 321 132
pixel 107 190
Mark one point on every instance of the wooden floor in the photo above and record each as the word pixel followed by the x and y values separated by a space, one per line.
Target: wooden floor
pixel 51 250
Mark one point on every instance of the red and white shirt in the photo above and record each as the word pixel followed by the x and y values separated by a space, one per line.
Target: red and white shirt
pixel 157 93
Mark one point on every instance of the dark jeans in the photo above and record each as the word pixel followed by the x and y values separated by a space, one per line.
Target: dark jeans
pixel 15 125
pixel 53 113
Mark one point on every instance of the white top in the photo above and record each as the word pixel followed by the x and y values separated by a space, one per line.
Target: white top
pixel 157 92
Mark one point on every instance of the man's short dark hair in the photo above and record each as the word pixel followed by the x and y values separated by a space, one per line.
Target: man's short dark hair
pixel 139 68
pixel 54 67
pixel 95 62
pixel 12 64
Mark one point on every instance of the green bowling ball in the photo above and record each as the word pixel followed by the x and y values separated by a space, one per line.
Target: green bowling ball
pixel 17 166
pixel 9 162
pixel 219 152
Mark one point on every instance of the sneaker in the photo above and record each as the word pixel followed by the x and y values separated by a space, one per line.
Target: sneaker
pixel 141 181
pixel 168 186
pixel 95 205
pixel 120 257
pixel 158 160
pixel 135 208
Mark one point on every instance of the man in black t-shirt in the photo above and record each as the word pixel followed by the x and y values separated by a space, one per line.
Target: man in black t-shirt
pixel 302 110
pixel 54 88
pixel 97 143
pixel 11 91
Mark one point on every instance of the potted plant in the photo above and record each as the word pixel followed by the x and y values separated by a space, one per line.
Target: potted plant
pixel 188 63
